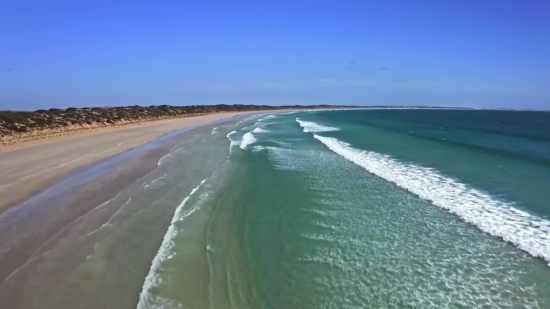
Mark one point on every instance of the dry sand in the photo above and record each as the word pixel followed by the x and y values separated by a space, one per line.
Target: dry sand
pixel 26 170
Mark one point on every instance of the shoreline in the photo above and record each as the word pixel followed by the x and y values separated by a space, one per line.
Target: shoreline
pixel 29 138
pixel 28 226
pixel 9 143
pixel 29 169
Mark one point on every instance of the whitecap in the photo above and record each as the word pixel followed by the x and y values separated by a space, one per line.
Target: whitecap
pixel 248 139
pixel 528 232
pixel 314 127
pixel 260 130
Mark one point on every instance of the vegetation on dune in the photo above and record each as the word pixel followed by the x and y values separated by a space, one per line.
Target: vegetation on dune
pixel 12 122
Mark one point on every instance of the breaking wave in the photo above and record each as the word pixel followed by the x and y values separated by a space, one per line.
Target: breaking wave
pixel 528 232
pixel 164 253
pixel 314 127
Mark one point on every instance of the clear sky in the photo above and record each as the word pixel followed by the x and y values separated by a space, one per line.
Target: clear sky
pixel 105 53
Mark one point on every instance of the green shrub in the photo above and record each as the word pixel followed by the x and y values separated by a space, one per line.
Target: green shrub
pixel 16 117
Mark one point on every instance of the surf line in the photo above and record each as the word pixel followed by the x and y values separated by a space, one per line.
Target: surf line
pixel 162 255
pixel 527 232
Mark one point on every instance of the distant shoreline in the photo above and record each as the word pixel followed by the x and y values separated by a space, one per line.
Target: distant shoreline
pixel 19 140
pixel 26 170
pixel 20 128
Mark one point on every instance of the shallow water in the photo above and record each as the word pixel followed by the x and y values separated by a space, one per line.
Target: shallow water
pixel 325 209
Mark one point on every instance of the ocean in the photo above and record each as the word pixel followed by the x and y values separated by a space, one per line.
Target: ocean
pixel 373 208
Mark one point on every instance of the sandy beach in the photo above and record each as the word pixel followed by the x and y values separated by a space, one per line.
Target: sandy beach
pixel 28 169
pixel 46 187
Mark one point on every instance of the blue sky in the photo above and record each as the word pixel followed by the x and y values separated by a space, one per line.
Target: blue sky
pixel 104 53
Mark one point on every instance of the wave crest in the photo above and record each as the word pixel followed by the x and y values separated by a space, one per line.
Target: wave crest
pixel 312 127
pixel 528 232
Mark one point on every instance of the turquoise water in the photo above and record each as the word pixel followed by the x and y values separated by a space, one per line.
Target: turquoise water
pixel 324 209
pixel 369 209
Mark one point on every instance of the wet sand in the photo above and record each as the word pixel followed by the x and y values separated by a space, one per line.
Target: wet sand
pixel 26 170
pixel 64 183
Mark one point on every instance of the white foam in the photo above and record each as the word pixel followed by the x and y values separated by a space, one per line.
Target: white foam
pixel 528 232
pixel 314 127
pixel 248 139
pixel 265 117
pixel 260 130
pixel 231 133
pixel 147 185
pixel 164 253
pixel 233 141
